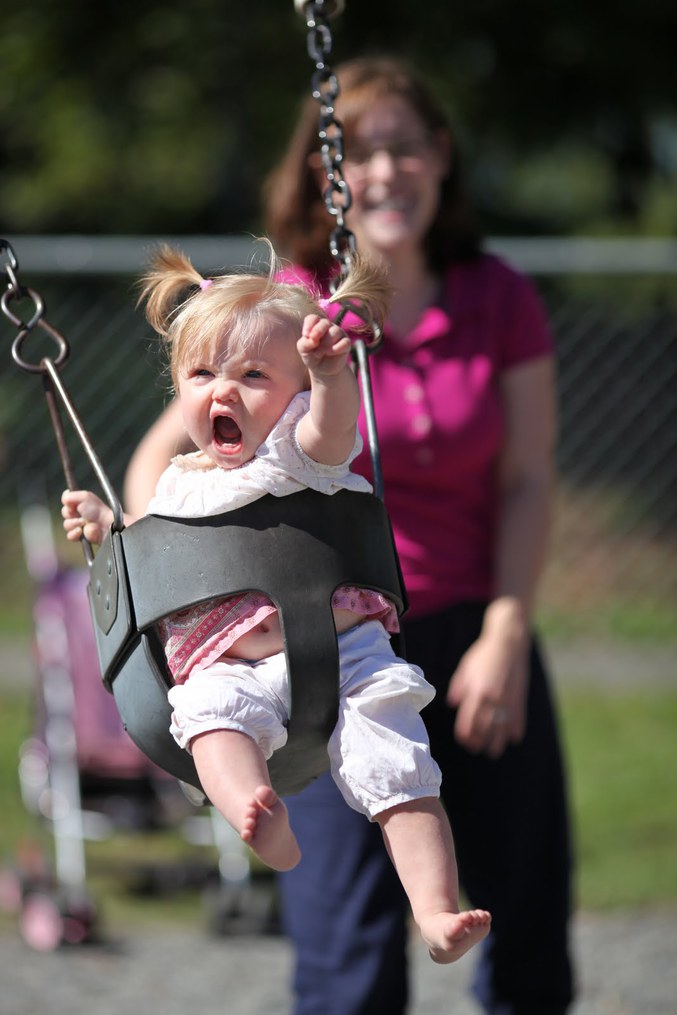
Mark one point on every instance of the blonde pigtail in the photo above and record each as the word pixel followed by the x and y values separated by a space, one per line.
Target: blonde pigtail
pixel 164 285
pixel 366 284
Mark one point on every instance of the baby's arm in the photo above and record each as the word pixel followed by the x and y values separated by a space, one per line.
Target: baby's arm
pixel 85 514
pixel 327 432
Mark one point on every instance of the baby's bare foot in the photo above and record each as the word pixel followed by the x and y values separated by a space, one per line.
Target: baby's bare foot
pixel 267 832
pixel 450 935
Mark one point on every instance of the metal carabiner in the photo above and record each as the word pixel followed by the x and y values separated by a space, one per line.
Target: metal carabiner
pixel 26 329
pixel 17 291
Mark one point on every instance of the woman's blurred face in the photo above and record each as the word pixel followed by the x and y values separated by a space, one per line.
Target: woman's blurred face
pixel 394 167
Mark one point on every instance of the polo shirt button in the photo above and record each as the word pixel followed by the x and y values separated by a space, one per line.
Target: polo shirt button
pixel 421 424
pixel 424 456
pixel 413 393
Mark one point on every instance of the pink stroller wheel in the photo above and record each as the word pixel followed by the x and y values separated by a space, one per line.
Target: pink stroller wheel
pixel 40 923
pixel 46 922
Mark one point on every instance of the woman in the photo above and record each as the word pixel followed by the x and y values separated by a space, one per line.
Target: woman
pixel 464 390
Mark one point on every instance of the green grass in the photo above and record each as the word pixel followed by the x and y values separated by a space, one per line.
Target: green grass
pixel 640 621
pixel 15 584
pixel 622 754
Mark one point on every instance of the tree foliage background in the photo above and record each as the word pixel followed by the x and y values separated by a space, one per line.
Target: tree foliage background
pixel 150 116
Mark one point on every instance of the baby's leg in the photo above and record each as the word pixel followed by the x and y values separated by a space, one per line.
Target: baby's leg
pixel 234 775
pixel 421 846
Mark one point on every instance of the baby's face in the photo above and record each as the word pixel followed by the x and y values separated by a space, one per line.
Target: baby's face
pixel 232 399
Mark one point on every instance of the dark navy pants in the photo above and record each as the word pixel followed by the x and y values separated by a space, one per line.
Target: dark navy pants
pixel 344 909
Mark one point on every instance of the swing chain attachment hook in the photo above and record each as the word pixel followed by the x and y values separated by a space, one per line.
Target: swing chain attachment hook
pixel 16 291
pixel 337 197
pixel 55 391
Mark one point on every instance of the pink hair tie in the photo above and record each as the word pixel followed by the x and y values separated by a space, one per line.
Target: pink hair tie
pixel 205 283
pixel 323 303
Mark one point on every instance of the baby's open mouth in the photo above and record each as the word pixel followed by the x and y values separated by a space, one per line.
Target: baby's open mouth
pixel 226 431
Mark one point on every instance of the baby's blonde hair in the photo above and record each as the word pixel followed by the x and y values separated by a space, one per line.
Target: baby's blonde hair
pixel 194 314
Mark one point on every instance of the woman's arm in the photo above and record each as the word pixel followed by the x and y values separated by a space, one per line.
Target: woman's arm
pixel 489 686
pixel 526 482
pixel 163 440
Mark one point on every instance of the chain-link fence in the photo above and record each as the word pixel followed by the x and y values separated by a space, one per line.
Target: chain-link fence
pixel 613 308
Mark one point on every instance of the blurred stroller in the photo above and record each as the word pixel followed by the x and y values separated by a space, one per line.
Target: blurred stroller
pixel 82 773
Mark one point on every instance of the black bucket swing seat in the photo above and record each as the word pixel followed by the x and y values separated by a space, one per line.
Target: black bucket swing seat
pixel 297 550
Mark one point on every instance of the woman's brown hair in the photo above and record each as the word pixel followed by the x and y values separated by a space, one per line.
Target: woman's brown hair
pixel 295 215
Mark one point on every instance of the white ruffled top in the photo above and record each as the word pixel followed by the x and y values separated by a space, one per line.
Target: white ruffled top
pixel 193 486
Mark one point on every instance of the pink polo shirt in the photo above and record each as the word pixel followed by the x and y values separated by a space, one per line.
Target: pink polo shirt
pixel 440 425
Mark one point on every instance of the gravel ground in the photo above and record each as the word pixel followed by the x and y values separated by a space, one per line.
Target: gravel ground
pixel 627 966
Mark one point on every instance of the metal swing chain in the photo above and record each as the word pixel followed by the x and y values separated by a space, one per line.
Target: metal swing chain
pixel 55 391
pixel 325 90
pixel 337 199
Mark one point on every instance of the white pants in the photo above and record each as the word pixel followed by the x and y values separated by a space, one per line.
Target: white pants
pixel 379 751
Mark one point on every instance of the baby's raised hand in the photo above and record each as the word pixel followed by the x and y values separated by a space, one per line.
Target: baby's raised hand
pixel 323 346
pixel 85 514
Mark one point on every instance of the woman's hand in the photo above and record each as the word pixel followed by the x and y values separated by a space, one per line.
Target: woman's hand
pixel 489 690
pixel 85 514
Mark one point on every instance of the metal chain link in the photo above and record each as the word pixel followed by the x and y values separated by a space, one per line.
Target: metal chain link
pixel 337 196
pixel 325 90
pixel 11 265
